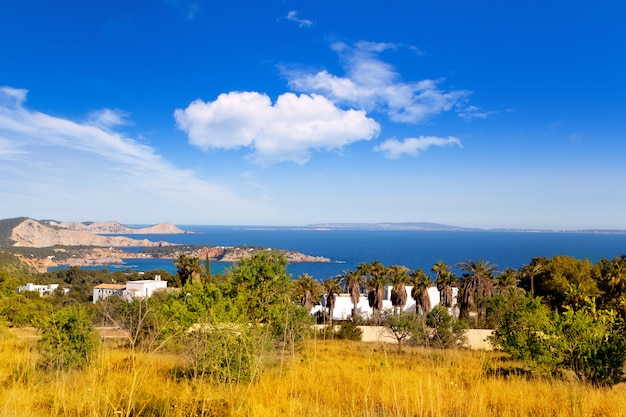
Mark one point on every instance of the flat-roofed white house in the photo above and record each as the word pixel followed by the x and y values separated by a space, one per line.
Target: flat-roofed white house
pixel 130 290
pixel 41 289
pixel 343 304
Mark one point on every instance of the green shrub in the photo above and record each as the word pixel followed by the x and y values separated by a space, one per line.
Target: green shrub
pixel 590 344
pixel 226 352
pixel 444 331
pixel 349 331
pixel 68 339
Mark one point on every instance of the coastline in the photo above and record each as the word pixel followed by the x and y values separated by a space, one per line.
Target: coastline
pixel 98 256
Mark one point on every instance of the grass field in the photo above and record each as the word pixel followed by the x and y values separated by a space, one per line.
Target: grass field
pixel 327 378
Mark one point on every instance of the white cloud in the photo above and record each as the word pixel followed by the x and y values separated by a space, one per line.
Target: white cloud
pixel 292 16
pixel 284 131
pixel 374 85
pixel 54 167
pixel 12 97
pixel 393 148
pixel 108 118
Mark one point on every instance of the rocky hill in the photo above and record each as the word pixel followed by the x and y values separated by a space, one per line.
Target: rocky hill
pixel 25 232
pixel 115 228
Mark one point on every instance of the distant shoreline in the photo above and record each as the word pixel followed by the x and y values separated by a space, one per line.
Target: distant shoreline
pixel 409 227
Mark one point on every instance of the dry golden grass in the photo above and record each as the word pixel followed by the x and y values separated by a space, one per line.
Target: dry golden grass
pixel 328 378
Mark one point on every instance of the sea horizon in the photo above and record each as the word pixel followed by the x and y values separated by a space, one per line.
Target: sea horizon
pixel 346 248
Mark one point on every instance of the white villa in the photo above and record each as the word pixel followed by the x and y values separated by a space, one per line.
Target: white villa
pixel 132 289
pixel 41 289
pixel 343 304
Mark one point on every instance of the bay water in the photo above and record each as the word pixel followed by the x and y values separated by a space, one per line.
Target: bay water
pixel 413 249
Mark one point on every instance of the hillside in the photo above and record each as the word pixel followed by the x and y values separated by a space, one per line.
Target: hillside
pixel 25 232
pixel 115 228
pixel 6 229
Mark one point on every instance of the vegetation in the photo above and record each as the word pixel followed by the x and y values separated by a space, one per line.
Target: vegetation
pixel 68 339
pixel 327 378
pixel 241 342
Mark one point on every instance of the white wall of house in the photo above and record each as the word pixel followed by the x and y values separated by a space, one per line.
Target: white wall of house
pixel 131 289
pixel 41 289
pixel 144 288
pixel 343 304
pixel 102 291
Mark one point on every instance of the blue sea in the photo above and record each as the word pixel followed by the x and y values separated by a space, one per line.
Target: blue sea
pixel 414 249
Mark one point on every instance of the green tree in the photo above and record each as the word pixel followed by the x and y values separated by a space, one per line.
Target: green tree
pixel 402 326
pixel 530 272
pixel 332 287
pixel 353 282
pixel 398 276
pixel 526 334
pixel 445 281
pixel 189 268
pixel 260 283
pixel 307 290
pixel 444 330
pixel 590 343
pixel 68 339
pixel 421 282
pixel 566 281
pixel 612 283
pixel 478 287
pixel 376 286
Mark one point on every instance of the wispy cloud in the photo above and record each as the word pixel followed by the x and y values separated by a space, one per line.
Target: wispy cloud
pixel 292 16
pixel 108 118
pixel 50 166
pixel 393 148
pixel 372 84
pixel 474 112
pixel 287 130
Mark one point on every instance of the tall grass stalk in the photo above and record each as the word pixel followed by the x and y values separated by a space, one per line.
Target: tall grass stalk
pixel 327 378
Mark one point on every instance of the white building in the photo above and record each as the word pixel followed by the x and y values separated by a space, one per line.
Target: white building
pixel 132 289
pixel 41 289
pixel 343 304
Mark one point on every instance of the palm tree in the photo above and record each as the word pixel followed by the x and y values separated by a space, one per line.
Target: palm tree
pixel 617 276
pixel 188 268
pixel 353 282
pixel 307 290
pixel 332 288
pixel 445 281
pixel 398 276
pixel 376 286
pixel 421 282
pixel 507 282
pixel 478 285
pixel 531 272
pixel 364 270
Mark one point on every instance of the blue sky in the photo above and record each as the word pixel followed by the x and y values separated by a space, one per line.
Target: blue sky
pixel 479 114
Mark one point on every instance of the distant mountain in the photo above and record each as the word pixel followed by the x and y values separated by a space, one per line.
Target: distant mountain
pixel 6 229
pixel 387 226
pixel 115 228
pixel 26 232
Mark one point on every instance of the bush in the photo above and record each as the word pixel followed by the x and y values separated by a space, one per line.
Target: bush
pixel 403 326
pixel 590 344
pixel 595 349
pixel 349 331
pixel 68 340
pixel 444 331
pixel 226 352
